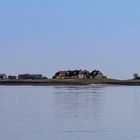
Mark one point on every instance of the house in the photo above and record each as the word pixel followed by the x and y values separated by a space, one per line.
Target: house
pixel 36 76
pixel 63 74
pixel 99 75
pixel 83 74
pixel 23 76
pixel 30 76
pixel 12 77
pixel 3 76
pixel 96 74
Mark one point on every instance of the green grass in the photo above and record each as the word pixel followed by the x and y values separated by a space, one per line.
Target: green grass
pixel 70 82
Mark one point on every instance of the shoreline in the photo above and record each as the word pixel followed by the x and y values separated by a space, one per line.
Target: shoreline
pixel 50 82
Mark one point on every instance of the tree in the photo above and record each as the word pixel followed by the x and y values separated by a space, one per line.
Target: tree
pixel 135 76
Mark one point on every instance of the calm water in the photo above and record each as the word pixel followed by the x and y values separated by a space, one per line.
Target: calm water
pixel 70 113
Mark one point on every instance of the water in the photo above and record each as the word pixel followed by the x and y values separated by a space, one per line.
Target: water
pixel 70 113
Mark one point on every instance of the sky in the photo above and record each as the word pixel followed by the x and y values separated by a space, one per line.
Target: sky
pixel 44 36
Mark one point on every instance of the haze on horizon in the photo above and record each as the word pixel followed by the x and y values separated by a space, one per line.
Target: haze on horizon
pixel 44 36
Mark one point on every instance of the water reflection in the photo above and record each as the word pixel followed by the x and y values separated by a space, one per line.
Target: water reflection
pixel 70 113
pixel 76 106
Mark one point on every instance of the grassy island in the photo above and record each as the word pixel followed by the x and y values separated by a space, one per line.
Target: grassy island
pixel 66 77
pixel 48 82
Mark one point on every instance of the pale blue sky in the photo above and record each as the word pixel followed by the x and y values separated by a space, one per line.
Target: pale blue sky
pixel 44 36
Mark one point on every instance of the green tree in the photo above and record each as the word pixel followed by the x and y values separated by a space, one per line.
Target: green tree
pixel 135 76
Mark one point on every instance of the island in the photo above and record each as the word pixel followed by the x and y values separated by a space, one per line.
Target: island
pixel 74 77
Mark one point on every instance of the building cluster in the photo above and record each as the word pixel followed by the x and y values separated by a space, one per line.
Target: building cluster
pixel 70 74
pixel 23 76
pixel 79 74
